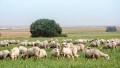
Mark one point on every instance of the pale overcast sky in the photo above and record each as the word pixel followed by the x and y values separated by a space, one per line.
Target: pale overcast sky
pixel 64 12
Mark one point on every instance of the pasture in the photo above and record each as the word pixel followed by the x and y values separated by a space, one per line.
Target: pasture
pixel 73 33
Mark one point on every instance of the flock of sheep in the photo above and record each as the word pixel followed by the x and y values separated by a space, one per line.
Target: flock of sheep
pixel 65 48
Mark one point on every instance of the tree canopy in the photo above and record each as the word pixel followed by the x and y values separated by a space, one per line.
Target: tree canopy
pixel 45 28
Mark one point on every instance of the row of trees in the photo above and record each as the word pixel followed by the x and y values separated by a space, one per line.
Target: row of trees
pixel 49 28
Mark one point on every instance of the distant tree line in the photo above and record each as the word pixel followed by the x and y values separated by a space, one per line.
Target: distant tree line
pixel 111 29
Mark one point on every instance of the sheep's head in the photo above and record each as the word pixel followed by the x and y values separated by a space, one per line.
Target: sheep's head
pixel 107 57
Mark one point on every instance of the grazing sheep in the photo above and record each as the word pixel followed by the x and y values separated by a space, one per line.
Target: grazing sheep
pixel 14 53
pixel 54 44
pixel 55 52
pixel 43 44
pixel 4 54
pixel 23 43
pixel 23 50
pixel 78 41
pixel 80 47
pixel 95 53
pixel 95 43
pixel 31 43
pixel 68 40
pixel 74 51
pixel 37 43
pixel 66 52
pixel 4 43
pixel 110 45
pixel 42 53
pixel 102 41
pixel 33 51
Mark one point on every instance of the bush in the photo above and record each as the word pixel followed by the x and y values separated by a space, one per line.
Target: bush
pixel 45 28
pixel 111 29
pixel 64 35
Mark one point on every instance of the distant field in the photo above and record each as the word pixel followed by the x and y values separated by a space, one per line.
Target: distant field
pixel 83 32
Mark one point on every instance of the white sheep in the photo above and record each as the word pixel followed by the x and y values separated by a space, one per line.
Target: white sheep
pixel 42 53
pixel 95 53
pixel 4 54
pixel 74 51
pixel 33 51
pixel 14 53
pixel 23 50
pixel 66 52
pixel 110 45
pixel 80 47
pixel 55 52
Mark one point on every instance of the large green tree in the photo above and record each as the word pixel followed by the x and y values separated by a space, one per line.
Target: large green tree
pixel 45 28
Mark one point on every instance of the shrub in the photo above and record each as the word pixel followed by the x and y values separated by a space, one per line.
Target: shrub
pixel 111 29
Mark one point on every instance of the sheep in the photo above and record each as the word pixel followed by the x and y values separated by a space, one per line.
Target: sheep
pixel 33 51
pixel 40 45
pixel 42 53
pixel 110 45
pixel 95 43
pixel 66 52
pixel 95 53
pixel 55 52
pixel 23 50
pixel 30 43
pixel 37 43
pixel 74 51
pixel 54 44
pixel 80 47
pixel 4 54
pixel 4 43
pixel 43 44
pixel 23 43
pixel 13 41
pixel 68 40
pixel 14 53
pixel 102 41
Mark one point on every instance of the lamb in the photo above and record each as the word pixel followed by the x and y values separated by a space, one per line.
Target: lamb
pixel 14 53
pixel 95 53
pixel 55 52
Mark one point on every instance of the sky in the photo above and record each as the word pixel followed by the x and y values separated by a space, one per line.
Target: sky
pixel 65 12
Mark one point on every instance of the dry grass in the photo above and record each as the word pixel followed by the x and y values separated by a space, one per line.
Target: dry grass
pixel 16 33
pixel 13 33
pixel 83 29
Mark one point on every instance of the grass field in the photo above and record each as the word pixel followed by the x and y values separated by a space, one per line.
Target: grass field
pixel 79 62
